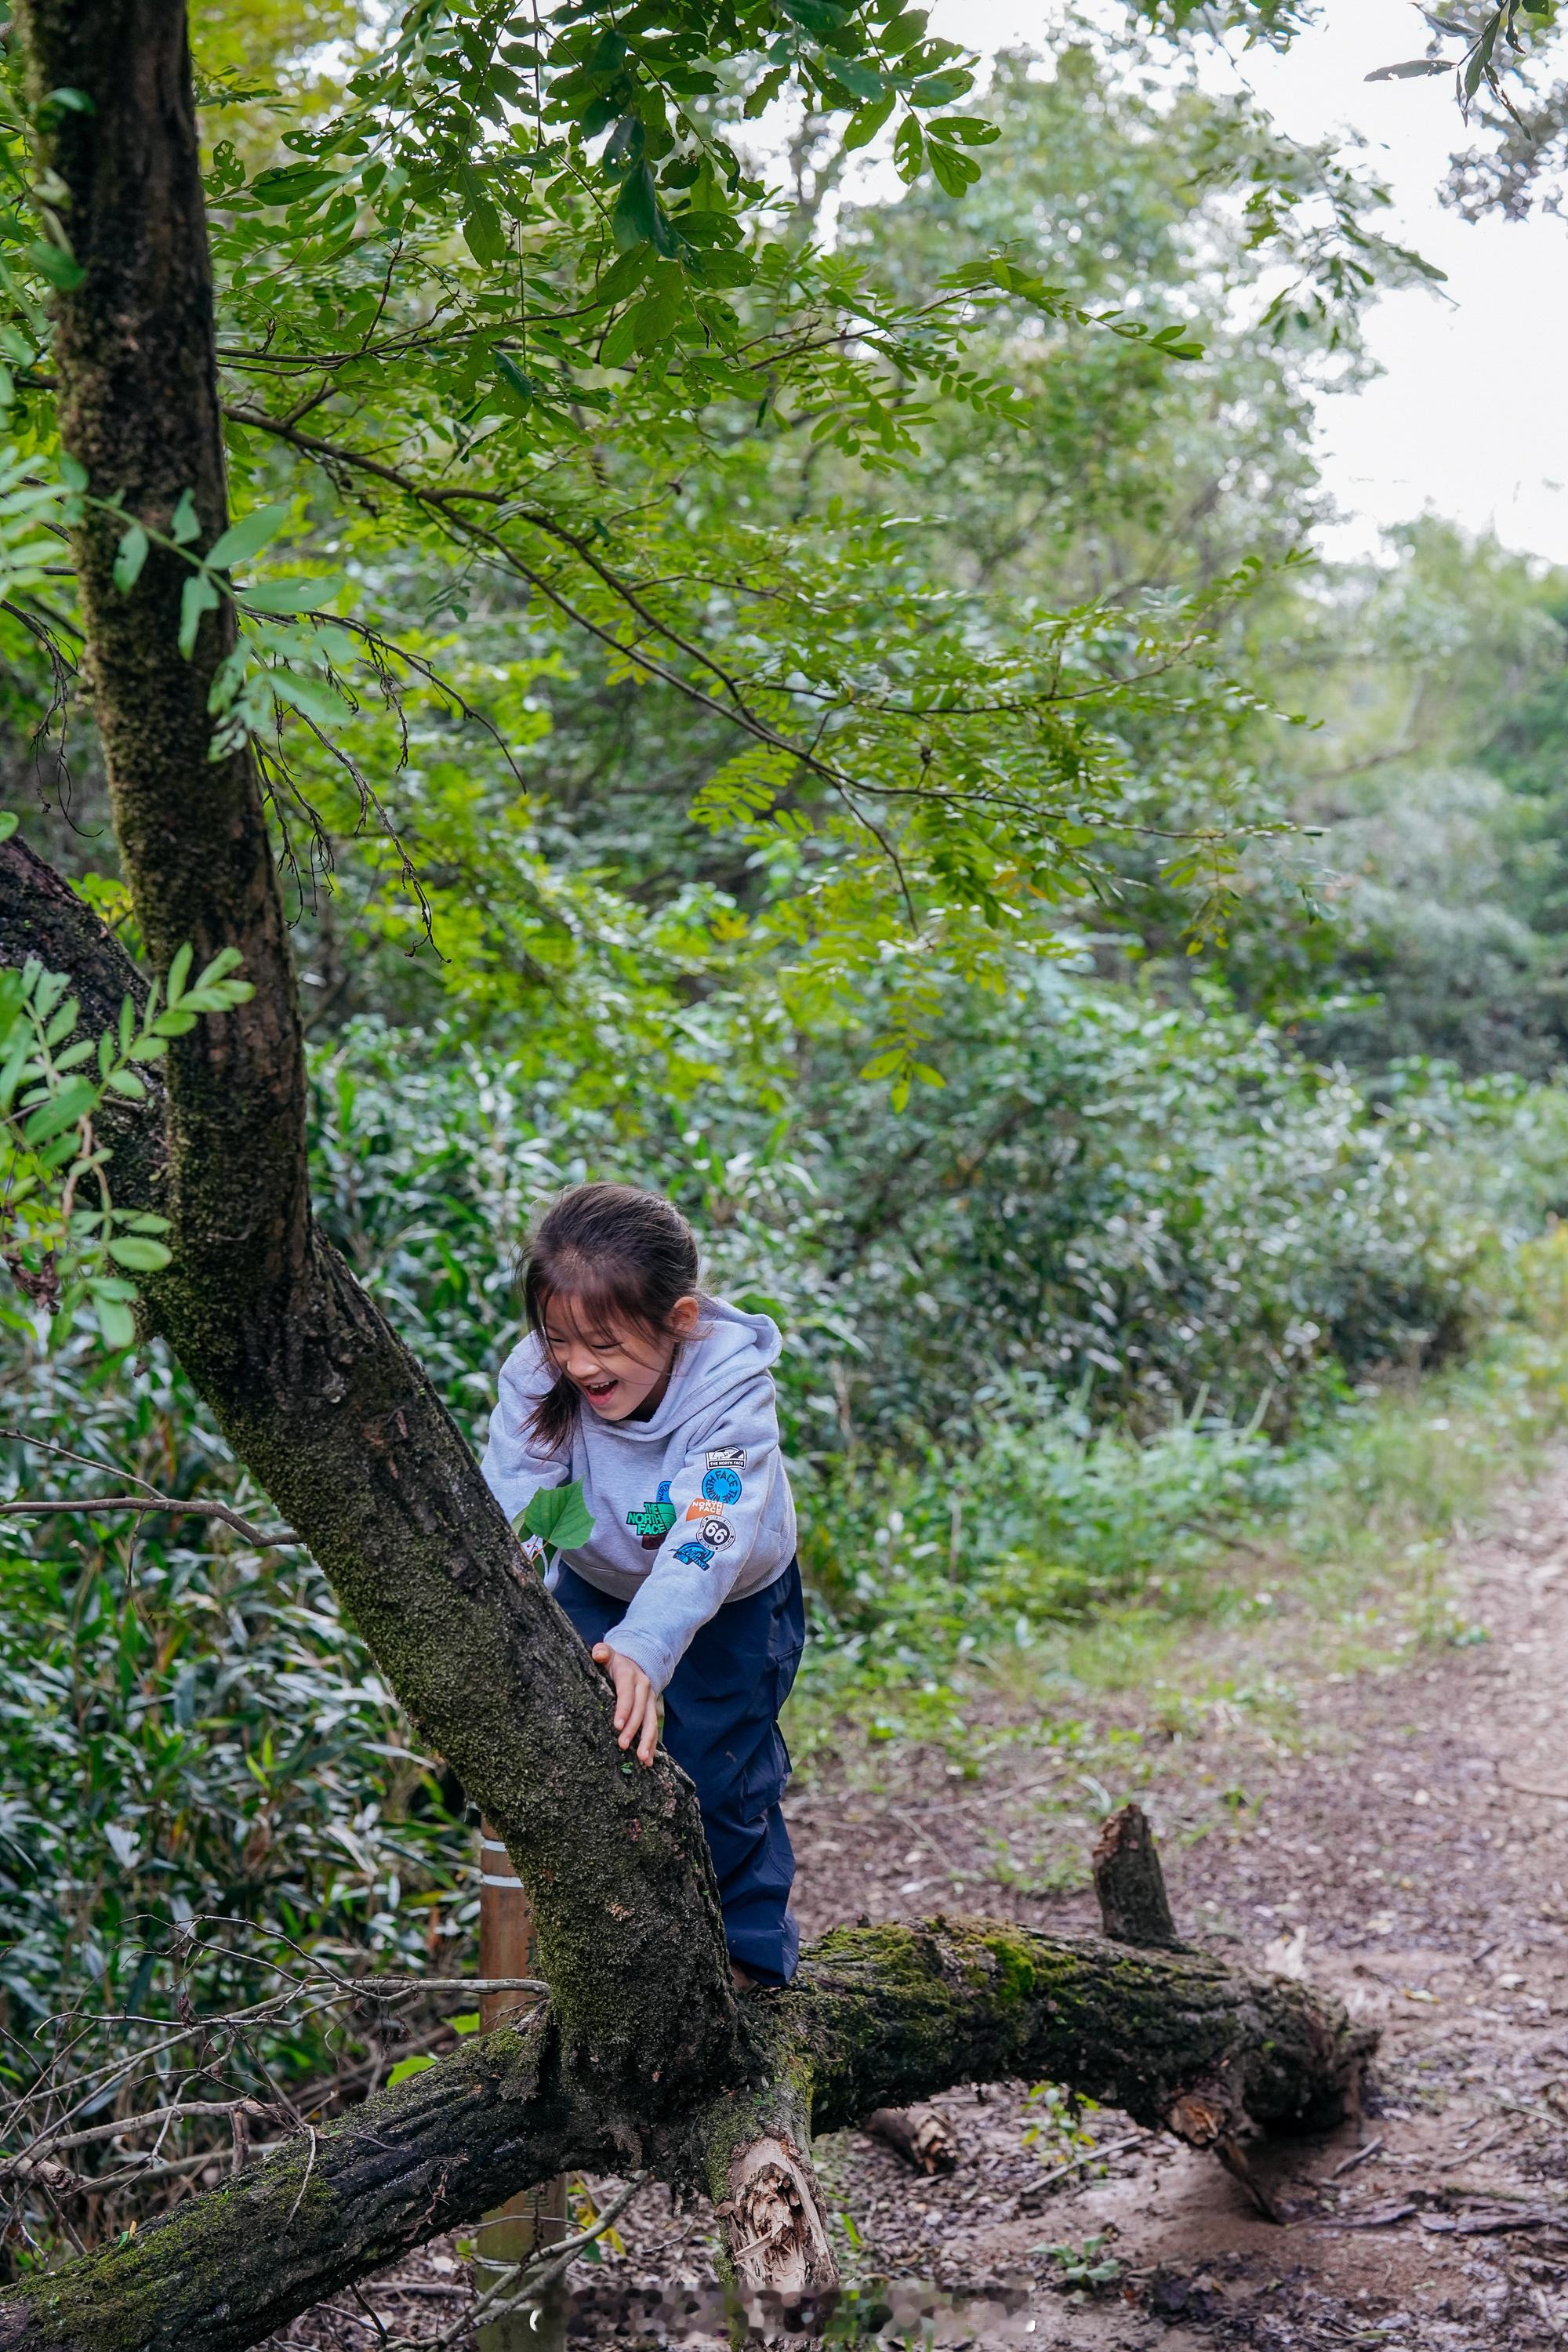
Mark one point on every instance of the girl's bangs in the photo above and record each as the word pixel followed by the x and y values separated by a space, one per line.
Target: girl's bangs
pixel 591 1302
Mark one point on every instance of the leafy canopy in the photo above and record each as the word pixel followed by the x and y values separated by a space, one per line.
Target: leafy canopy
pixel 492 312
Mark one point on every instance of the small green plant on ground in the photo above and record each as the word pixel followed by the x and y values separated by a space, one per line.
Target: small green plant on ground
pixel 1084 2265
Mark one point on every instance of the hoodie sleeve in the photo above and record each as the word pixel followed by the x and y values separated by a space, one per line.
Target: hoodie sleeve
pixel 514 1467
pixel 720 1495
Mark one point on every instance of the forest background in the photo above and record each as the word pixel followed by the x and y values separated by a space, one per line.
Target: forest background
pixel 1135 1215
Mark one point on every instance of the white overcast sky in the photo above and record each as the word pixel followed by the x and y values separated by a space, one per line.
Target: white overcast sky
pixel 1468 418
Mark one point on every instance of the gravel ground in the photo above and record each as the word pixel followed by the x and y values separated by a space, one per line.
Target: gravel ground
pixel 1405 1844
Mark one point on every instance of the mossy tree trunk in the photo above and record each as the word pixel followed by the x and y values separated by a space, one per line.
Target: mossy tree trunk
pixel 311 1388
pixel 644 2057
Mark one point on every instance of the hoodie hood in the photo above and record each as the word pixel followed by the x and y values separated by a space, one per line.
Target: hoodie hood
pixel 728 1351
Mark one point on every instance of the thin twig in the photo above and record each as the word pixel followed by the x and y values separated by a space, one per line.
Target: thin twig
pixel 310 2168
pixel 1106 2149
pixel 146 1506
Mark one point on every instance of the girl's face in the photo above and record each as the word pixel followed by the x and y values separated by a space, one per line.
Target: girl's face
pixel 614 1367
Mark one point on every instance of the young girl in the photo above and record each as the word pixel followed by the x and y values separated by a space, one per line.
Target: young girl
pixel 660 1399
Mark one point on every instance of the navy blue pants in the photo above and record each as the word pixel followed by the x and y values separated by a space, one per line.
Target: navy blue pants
pixel 721 1726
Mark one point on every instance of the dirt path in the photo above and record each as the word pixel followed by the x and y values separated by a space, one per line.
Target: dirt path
pixel 1408 1845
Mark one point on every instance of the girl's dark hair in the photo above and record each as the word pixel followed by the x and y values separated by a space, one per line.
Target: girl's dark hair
pixel 625 1257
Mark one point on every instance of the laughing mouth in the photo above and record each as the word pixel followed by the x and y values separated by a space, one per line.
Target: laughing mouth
pixel 599 1390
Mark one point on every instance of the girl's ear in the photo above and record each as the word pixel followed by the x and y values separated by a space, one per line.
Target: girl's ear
pixel 683 1315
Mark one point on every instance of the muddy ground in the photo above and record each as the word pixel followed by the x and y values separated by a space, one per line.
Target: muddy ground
pixel 1404 1839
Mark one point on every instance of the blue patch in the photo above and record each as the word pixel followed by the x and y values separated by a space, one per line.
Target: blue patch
pixel 722 1485
pixel 663 1494
pixel 695 1555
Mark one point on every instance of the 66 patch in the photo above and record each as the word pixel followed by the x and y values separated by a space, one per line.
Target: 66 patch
pixel 718 1532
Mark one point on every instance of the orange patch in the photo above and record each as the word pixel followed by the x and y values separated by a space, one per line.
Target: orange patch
pixel 702 1510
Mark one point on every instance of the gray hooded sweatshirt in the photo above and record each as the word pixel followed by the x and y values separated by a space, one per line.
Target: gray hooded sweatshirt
pixel 691 1507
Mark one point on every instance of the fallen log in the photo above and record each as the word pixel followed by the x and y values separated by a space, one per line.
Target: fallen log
pixel 922 2136
pixel 877 2016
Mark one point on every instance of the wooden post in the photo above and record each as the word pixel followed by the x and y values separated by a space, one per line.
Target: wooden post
pixel 537 2217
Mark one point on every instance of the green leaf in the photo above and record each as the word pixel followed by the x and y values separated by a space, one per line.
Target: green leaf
pixel 941 90
pixel 179 972
pixel 953 172
pixel 484 234
pixel 129 559
pixel 724 269
pixel 73 473
pixel 621 342
pixel 623 276
pixel 198 595
pixel 61 268
pixel 218 967
pixel 864 125
pixel 467 2023
pixel 139 1253
pixel 62 1110
pixel 815 15
pixel 656 315
pixel 408 2066
pixel 293 596
pixel 116 1322
pixel 127 1083
pixel 247 536
pixel 968 130
pixel 10 821
pixel 639 216
pixel 558 1516
pixel 290 182
pixel 184 524
pixel 312 696
pixel 1410 69
pixel 766 90
pixel 909 148
pixel 512 376
pixel 861 81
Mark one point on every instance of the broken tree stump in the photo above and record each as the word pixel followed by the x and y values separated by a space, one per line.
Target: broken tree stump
pixel 1134 1905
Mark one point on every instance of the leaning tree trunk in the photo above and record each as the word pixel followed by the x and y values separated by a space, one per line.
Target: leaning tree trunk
pixel 644 2057
pixel 311 1389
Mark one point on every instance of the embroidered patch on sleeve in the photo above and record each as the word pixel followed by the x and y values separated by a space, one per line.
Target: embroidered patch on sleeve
pixel 694 1554
pixel 718 1532
pixel 726 1457
pixel 702 1510
pixel 722 1485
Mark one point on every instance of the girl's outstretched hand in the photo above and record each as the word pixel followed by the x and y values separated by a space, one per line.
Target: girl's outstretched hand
pixel 636 1702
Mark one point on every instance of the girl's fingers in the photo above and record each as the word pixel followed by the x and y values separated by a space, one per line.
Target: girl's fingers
pixel 637 1707
pixel 624 1675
